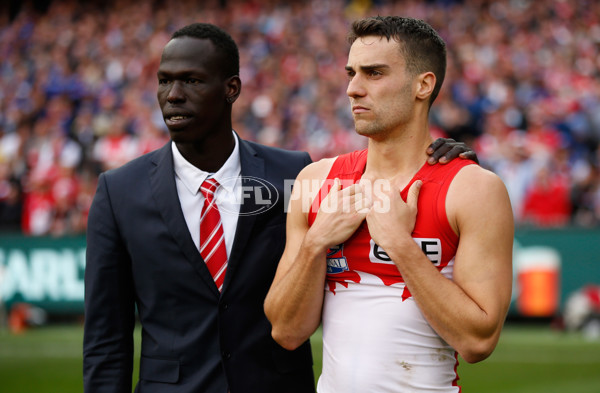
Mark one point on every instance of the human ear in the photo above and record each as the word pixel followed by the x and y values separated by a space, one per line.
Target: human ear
pixel 233 88
pixel 426 85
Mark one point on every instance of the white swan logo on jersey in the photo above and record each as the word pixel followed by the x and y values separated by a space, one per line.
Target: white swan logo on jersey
pixel 336 261
pixel 432 248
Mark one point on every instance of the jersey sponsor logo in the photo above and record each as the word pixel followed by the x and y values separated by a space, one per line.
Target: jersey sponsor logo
pixel 432 248
pixel 336 261
pixel 378 254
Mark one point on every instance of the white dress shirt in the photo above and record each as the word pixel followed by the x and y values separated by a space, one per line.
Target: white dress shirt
pixel 188 179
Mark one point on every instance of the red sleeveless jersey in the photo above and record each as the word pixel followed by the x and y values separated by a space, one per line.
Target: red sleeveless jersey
pixel 432 230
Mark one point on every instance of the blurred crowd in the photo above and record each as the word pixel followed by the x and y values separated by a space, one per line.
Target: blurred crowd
pixel 78 93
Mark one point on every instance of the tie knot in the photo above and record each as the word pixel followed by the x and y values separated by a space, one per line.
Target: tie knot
pixel 208 187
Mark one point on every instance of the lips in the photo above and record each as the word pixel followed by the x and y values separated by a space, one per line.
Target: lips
pixel 359 109
pixel 177 117
pixel 174 120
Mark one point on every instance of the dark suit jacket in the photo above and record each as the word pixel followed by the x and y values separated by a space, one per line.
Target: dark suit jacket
pixel 140 254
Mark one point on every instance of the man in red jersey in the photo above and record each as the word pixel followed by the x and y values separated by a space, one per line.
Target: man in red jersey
pixel 415 259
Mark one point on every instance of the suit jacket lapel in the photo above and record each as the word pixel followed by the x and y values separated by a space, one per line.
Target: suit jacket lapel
pixel 162 182
pixel 253 167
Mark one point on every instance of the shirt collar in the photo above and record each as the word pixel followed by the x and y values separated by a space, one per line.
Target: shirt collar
pixel 193 177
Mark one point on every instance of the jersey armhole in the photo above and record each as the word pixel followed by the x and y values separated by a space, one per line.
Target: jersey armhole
pixel 442 212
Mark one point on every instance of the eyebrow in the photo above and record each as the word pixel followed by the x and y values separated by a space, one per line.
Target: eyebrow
pixel 178 73
pixel 368 67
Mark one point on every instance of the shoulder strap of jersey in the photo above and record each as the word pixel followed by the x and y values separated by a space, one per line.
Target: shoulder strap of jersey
pixel 346 167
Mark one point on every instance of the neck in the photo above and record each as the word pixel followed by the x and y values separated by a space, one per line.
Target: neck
pixel 210 153
pixel 397 155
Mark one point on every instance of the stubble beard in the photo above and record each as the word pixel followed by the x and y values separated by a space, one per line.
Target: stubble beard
pixel 370 129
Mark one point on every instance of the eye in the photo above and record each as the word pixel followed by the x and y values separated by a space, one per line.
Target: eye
pixel 192 81
pixel 162 81
pixel 374 73
pixel 350 74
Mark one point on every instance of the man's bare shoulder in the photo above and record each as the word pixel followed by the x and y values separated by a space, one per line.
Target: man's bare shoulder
pixel 476 178
pixel 478 195
pixel 308 182
pixel 317 170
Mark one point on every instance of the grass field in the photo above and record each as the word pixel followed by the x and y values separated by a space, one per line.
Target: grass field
pixel 528 359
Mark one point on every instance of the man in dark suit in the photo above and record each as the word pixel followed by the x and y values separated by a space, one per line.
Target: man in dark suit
pixel 199 333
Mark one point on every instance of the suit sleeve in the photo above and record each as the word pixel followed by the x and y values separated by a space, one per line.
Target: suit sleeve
pixel 109 302
pixel 307 159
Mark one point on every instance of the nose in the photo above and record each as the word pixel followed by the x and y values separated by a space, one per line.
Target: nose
pixel 176 92
pixel 355 87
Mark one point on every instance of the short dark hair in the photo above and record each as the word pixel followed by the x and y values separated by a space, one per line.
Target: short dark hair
pixel 421 46
pixel 220 39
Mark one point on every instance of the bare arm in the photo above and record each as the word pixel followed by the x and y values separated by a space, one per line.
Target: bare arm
pixel 467 312
pixel 295 299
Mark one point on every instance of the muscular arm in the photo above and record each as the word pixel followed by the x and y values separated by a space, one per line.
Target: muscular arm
pixel 467 312
pixel 295 299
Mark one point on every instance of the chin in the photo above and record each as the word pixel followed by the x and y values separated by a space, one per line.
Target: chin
pixel 367 131
pixel 178 136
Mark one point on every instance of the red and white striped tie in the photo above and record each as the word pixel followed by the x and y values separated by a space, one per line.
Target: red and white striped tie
pixel 212 239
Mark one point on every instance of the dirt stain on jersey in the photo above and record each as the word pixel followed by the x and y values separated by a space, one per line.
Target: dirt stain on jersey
pixel 405 365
